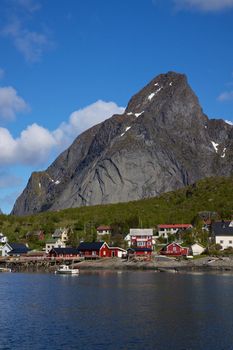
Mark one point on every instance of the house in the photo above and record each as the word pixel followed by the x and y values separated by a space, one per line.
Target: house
pixel 174 249
pixel 164 230
pixel 64 252
pixel 61 233
pixel 3 238
pixel 103 230
pixel 197 249
pixel 139 252
pixel 100 250
pixel 54 243
pixel 39 235
pixel 14 249
pixel 141 237
pixel 222 233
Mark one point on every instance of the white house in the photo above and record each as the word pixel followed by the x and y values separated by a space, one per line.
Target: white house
pixel 222 233
pixel 14 249
pixel 164 230
pixel 197 249
pixel 54 243
pixel 3 238
pixel 103 230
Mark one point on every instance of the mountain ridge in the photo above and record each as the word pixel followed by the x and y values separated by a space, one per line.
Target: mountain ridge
pixel 162 142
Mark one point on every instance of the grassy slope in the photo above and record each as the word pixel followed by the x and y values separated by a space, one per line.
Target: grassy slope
pixel 212 194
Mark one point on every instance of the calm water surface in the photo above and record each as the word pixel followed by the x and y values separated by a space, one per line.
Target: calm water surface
pixel 112 310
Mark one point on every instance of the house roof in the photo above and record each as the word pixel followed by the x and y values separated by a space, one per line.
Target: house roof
pixel 175 226
pixel 18 248
pixel 141 232
pixel 103 228
pixel 173 243
pixel 90 246
pixel 58 232
pixel 119 248
pixel 68 250
pixel 222 228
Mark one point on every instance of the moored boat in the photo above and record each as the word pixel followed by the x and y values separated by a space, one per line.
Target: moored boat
pixel 5 269
pixel 66 270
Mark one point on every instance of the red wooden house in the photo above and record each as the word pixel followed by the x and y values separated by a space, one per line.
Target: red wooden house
pixel 99 250
pixel 141 237
pixel 174 249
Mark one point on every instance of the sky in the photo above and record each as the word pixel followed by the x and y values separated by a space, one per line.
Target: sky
pixel 66 65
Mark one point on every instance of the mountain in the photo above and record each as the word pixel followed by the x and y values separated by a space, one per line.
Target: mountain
pixel 162 142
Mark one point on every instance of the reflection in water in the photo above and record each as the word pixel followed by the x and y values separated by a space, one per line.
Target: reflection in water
pixel 116 310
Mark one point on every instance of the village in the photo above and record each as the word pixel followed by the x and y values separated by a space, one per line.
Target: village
pixel 168 241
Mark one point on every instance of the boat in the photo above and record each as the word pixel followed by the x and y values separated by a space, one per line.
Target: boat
pixel 5 269
pixel 66 270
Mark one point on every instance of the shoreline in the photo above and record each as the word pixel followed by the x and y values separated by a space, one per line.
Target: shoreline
pixel 205 264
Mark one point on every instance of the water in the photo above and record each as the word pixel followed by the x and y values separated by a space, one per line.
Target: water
pixel 116 310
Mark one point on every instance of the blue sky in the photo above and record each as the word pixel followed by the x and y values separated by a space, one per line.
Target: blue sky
pixel 66 65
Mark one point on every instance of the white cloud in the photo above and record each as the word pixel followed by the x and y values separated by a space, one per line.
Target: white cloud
pixel 2 73
pixel 225 96
pixel 84 118
pixel 32 147
pixel 35 143
pixel 29 43
pixel 204 5
pixel 11 103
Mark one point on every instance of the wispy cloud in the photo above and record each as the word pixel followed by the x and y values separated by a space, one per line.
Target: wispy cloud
pixel 11 103
pixel 29 5
pixel 204 5
pixel 35 143
pixel 18 25
pixel 2 73
pixel 225 96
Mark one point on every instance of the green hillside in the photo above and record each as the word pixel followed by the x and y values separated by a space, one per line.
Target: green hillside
pixel 211 194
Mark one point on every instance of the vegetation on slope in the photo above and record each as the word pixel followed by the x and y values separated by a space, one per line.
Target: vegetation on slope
pixel 182 206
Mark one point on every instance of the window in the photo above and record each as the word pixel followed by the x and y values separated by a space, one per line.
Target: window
pixel 230 242
pixel 221 242
pixel 141 244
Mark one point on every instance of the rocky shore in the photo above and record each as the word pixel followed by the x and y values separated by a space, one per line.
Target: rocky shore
pixel 160 264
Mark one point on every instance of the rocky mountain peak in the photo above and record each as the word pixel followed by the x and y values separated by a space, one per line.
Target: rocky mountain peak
pixel 161 142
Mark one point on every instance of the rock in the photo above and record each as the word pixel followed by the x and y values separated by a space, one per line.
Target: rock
pixel 162 142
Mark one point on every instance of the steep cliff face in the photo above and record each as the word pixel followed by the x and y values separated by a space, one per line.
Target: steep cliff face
pixel 162 142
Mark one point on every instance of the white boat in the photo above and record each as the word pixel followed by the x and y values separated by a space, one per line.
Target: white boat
pixel 5 269
pixel 66 270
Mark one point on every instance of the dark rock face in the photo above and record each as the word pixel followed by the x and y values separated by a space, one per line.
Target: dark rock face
pixel 162 142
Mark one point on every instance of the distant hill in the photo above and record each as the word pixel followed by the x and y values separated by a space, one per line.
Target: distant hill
pixel 161 143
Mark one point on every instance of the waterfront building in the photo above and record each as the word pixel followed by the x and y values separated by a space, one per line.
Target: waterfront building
pixel 141 237
pixel 174 249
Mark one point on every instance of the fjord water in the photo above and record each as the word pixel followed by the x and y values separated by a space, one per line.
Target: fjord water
pixel 116 310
